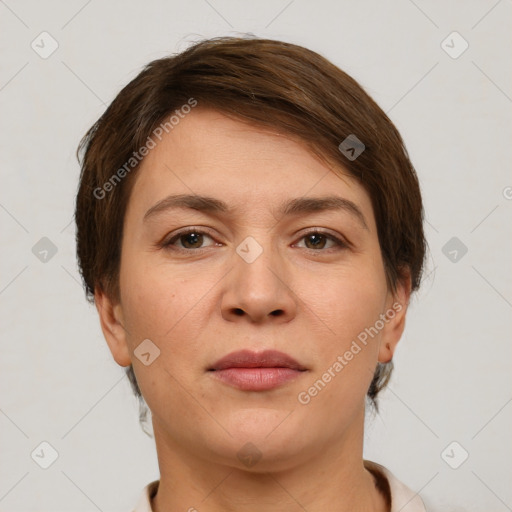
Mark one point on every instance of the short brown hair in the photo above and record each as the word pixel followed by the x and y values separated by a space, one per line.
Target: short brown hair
pixel 267 83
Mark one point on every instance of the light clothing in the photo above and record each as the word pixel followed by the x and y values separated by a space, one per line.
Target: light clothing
pixel 403 499
pixel 144 504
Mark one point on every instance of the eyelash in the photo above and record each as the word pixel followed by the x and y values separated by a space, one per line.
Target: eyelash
pixel 169 244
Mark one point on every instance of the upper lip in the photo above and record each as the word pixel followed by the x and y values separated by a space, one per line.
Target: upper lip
pixel 250 359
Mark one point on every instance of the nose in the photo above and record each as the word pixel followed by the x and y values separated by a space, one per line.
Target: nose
pixel 259 291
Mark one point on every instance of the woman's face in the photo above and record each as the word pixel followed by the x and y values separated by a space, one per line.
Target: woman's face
pixel 282 256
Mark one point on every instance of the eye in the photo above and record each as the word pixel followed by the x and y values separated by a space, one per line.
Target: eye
pixel 317 240
pixel 194 239
pixel 189 239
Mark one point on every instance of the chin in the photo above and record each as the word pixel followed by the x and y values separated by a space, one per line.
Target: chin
pixel 262 440
pixel 261 457
pixel 260 424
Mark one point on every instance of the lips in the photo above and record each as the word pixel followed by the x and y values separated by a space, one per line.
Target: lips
pixel 248 359
pixel 256 371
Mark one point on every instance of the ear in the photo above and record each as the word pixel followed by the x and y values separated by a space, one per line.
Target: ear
pixel 112 325
pixel 396 310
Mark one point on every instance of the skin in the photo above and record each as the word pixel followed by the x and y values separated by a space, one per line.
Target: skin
pixel 203 302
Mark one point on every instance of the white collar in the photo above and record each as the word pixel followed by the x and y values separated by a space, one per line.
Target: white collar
pixel 403 499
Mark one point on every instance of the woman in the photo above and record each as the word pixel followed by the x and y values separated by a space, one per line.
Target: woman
pixel 250 229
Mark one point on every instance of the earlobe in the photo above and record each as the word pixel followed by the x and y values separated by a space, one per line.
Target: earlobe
pixel 395 313
pixel 112 325
pixel 386 351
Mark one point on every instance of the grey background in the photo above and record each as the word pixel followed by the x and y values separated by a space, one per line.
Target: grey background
pixel 58 382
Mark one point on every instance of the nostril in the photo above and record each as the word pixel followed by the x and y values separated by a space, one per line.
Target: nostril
pixel 241 312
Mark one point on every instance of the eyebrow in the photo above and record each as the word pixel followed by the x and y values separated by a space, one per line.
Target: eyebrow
pixel 300 205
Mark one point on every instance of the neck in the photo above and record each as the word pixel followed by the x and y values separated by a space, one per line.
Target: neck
pixel 190 483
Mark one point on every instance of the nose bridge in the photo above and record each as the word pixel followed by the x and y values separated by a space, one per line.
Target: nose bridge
pixel 257 288
pixel 258 262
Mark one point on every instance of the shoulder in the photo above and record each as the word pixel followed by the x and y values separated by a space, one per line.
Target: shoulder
pixel 144 503
pixel 403 499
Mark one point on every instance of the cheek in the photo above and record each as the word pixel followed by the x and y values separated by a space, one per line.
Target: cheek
pixel 345 301
pixel 156 304
pixel 346 354
pixel 168 307
pixel 344 309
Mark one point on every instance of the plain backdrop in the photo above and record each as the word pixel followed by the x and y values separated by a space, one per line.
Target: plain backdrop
pixel 445 421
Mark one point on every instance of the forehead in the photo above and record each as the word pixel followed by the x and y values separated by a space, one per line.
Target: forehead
pixel 246 166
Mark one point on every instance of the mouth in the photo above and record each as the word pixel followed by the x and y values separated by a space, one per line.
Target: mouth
pixel 253 371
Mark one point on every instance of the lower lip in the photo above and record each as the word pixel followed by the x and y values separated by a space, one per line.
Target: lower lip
pixel 256 379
